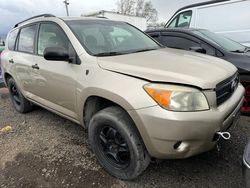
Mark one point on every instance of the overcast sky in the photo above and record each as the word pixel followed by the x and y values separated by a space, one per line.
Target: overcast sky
pixel 13 11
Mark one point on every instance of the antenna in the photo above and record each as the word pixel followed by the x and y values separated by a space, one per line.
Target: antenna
pixel 66 2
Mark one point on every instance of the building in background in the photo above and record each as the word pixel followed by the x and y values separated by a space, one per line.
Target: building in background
pixel 139 22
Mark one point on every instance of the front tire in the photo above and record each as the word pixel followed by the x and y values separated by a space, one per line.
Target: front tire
pixel 117 143
pixel 20 103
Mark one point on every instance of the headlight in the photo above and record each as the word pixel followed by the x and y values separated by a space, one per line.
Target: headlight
pixel 177 98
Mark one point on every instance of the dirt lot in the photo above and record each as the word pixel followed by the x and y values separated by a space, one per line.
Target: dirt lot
pixel 45 150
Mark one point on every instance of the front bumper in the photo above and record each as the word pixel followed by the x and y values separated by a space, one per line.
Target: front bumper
pixel 193 132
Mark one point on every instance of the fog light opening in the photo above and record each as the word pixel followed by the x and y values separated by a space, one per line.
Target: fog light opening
pixel 177 145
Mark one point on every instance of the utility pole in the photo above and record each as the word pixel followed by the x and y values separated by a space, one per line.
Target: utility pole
pixel 66 2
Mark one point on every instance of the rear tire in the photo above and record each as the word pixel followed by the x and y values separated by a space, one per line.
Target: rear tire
pixel 20 103
pixel 117 143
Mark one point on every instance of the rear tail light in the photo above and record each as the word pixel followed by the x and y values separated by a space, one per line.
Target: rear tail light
pixel 246 106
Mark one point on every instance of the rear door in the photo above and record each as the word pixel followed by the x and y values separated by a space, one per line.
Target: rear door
pixel 23 57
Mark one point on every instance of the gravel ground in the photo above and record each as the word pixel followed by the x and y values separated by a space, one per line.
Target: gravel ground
pixel 45 150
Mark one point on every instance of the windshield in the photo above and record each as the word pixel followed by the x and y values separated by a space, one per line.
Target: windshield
pixel 225 43
pixel 105 37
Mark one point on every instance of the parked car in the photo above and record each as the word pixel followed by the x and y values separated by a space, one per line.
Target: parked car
pixel 229 18
pixel 204 41
pixel 1 78
pixel 136 98
pixel 246 165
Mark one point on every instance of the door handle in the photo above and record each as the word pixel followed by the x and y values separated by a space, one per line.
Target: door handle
pixel 11 61
pixel 35 67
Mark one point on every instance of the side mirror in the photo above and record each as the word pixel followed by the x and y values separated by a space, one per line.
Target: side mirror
pixel 198 49
pixel 56 54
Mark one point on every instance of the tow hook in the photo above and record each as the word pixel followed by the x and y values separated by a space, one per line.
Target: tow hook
pixel 224 135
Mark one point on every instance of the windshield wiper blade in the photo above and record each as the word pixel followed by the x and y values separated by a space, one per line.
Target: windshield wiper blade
pixel 145 50
pixel 109 54
pixel 122 53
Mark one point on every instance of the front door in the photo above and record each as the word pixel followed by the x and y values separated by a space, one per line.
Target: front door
pixel 54 82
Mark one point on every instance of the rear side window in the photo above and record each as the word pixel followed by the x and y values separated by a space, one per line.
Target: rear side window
pixel 12 39
pixel 181 20
pixel 27 39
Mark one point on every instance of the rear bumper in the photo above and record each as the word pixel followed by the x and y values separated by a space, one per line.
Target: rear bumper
pixel 192 132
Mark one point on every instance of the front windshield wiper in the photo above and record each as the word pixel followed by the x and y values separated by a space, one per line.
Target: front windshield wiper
pixel 122 53
pixel 103 54
pixel 145 50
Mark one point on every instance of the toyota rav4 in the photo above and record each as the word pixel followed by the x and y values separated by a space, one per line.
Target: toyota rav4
pixel 137 99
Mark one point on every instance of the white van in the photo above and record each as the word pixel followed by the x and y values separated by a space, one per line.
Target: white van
pixel 225 17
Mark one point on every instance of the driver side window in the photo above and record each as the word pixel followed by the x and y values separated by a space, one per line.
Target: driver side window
pixel 181 20
pixel 51 35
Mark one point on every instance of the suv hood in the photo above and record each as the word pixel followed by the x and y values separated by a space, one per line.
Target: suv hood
pixel 172 66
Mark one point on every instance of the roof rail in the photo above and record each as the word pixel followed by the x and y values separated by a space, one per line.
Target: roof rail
pixel 41 15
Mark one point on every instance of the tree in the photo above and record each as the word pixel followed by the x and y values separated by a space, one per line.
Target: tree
pixel 149 12
pixel 138 8
pixel 126 6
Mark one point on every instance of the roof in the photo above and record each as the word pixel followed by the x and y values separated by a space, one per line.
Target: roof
pixel 201 4
pixel 197 5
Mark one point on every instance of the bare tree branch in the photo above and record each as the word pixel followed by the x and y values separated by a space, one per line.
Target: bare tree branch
pixel 126 6
pixel 138 8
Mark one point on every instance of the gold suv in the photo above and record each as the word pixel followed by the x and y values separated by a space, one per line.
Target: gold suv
pixel 137 98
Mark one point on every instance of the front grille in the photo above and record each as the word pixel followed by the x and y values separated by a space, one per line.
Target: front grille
pixel 226 88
